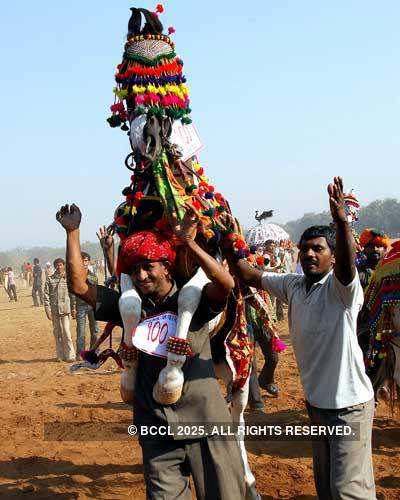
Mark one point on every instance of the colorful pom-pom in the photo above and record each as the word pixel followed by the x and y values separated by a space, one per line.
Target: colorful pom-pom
pixel 208 233
pixel 209 213
pixel 260 260
pixel 171 30
pixel 240 244
pixel 190 189
pixel 196 205
pixel 159 9
pixel 278 345
pixel 138 196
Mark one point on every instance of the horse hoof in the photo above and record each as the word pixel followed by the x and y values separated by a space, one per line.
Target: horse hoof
pixel 164 396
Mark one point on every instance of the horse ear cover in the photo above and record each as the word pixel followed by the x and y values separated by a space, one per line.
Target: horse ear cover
pixel 135 23
pixel 153 25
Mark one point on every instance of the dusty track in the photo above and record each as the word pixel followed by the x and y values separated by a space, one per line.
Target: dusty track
pixel 37 390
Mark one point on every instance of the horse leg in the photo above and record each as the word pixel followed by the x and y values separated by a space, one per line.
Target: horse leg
pixel 168 388
pixel 238 406
pixel 130 307
pixel 239 403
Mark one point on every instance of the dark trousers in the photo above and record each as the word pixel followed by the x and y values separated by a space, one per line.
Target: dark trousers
pixel 37 292
pixel 214 464
pixel 271 359
pixel 12 292
pixel 83 310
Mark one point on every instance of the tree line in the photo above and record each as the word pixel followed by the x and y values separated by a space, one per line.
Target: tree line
pixel 383 215
pixel 16 257
pixel 380 214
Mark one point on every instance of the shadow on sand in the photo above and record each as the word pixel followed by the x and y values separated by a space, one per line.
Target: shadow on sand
pixel 42 477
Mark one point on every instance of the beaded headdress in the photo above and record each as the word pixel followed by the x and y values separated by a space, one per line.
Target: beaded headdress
pixel 149 79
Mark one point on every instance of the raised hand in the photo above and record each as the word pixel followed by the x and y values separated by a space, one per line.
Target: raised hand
pixel 105 238
pixel 228 223
pixel 336 200
pixel 69 217
pixel 186 228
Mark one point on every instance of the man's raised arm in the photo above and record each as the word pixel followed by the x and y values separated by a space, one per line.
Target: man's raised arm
pixel 70 218
pixel 345 267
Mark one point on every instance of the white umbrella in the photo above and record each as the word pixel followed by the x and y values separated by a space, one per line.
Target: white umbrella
pixel 263 232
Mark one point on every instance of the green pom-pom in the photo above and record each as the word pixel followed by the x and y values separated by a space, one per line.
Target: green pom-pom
pixel 114 121
pixel 156 111
pixel 140 110
pixel 209 213
pixel 190 189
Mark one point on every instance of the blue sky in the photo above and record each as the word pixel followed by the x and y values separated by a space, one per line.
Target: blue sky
pixel 285 95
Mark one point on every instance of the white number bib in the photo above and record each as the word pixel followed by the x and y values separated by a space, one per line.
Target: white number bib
pixel 152 334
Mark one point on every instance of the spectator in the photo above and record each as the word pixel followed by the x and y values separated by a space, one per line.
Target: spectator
pixel 81 310
pixel 11 287
pixel 37 290
pixel 48 270
pixel 57 305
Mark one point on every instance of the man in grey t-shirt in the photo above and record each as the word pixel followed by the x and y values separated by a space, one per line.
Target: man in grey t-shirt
pixel 323 306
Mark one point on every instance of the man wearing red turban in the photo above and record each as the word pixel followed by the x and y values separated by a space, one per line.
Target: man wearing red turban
pixel 375 245
pixel 145 245
pixel 148 257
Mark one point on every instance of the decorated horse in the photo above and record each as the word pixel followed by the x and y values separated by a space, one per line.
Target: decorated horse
pixel 151 104
pixel 382 302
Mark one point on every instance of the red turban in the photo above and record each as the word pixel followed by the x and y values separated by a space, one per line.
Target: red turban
pixel 142 246
pixel 371 236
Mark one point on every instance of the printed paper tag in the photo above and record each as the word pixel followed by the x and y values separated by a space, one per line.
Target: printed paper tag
pixel 187 138
pixel 152 334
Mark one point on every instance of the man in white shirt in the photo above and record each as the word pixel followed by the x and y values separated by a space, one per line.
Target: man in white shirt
pixel 11 286
pixel 323 309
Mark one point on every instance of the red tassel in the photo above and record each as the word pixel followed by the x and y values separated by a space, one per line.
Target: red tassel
pixel 240 244
pixel 139 195
pixel 260 260
pixel 196 205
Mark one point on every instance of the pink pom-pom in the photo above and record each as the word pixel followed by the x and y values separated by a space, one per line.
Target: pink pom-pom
pixel 278 345
pixel 171 30
pixel 139 99
pixel 150 98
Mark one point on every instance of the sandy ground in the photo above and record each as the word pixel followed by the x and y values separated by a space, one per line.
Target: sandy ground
pixel 37 390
